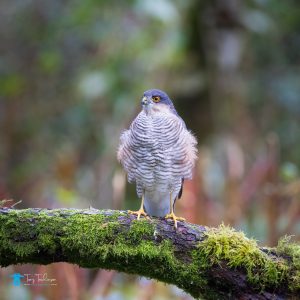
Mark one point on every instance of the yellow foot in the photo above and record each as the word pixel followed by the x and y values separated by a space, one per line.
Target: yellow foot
pixel 172 216
pixel 139 213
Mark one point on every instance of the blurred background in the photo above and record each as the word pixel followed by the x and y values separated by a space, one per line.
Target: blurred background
pixel 72 74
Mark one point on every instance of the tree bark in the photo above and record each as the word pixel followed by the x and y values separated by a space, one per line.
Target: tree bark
pixel 211 263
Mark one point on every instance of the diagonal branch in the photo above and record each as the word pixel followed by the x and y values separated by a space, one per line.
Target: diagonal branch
pixel 213 263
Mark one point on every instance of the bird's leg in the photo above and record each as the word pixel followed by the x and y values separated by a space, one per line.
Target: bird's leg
pixel 140 211
pixel 171 215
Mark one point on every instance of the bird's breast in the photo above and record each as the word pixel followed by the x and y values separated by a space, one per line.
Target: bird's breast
pixel 155 151
pixel 157 131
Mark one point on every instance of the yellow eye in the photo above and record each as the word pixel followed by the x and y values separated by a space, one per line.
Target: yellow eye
pixel 156 99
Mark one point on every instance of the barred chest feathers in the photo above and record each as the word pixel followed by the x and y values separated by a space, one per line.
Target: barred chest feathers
pixel 158 152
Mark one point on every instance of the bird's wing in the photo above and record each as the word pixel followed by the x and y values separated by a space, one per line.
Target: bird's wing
pixel 124 154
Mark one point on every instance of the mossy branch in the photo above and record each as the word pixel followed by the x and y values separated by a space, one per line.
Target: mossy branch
pixel 212 263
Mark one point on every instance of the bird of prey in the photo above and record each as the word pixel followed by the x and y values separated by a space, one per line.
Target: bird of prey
pixel 158 153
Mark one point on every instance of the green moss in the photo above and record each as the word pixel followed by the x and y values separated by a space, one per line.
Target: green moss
pixel 101 240
pixel 139 229
pixel 287 248
pixel 24 234
pixel 106 243
pixel 225 244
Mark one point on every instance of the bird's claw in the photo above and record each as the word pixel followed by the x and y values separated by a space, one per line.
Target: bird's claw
pixel 139 213
pixel 175 218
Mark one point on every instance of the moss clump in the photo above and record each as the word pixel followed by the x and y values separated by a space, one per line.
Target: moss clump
pixel 287 248
pixel 139 229
pixel 226 244
pixel 88 238
pixel 106 243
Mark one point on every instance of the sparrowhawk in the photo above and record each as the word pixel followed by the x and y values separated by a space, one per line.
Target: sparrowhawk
pixel 158 153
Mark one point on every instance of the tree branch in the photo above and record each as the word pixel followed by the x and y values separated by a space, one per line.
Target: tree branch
pixel 213 263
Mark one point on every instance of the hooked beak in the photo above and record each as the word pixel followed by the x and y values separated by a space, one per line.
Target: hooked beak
pixel 145 101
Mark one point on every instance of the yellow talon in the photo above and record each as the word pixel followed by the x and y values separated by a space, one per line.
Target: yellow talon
pixel 172 216
pixel 139 213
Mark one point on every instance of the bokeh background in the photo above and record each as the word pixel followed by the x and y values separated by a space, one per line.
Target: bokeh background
pixel 72 74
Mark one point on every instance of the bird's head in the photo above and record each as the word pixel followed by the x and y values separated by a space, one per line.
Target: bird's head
pixel 157 101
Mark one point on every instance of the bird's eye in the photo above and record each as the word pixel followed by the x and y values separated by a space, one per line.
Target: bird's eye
pixel 156 99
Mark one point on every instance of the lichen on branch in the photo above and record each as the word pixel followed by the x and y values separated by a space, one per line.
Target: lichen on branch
pixel 212 263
